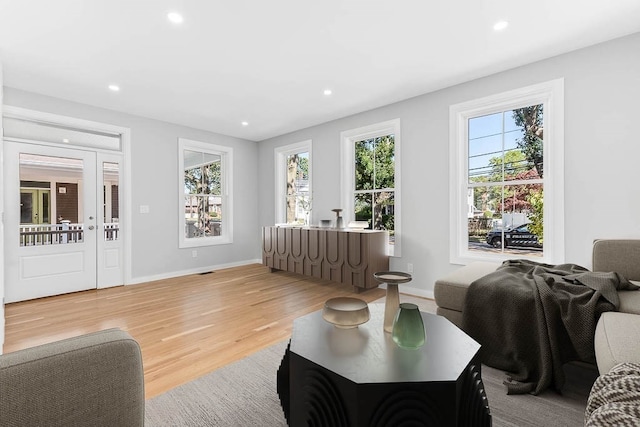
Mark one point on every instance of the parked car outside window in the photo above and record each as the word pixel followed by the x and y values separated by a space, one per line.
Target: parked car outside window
pixel 513 236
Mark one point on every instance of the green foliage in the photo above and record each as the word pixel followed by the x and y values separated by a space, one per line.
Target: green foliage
pixel 536 200
pixel 204 179
pixel 516 197
pixel 297 173
pixel 513 161
pixel 375 163
pixel 375 170
pixel 303 167
pixel 530 119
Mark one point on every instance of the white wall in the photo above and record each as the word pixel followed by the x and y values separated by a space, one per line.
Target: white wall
pixel 154 182
pixel 602 152
pixel 602 148
pixel 1 220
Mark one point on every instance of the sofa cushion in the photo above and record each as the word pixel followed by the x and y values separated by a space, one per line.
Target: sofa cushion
pixel 454 316
pixel 617 339
pixel 95 379
pixel 630 300
pixel 620 256
pixel 450 291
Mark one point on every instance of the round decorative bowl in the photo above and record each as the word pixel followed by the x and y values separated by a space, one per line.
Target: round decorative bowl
pixel 345 312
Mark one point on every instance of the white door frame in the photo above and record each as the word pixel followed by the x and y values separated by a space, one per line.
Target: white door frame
pixel 125 152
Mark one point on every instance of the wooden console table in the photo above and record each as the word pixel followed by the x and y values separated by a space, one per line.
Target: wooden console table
pixel 345 256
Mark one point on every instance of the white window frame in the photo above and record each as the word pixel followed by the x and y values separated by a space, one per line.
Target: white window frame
pixel 281 155
pixel 226 156
pixel 348 139
pixel 551 95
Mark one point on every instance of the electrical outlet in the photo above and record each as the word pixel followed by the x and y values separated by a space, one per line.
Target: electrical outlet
pixel 194 253
pixel 409 268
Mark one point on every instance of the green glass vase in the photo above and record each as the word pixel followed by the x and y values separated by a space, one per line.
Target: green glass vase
pixel 408 328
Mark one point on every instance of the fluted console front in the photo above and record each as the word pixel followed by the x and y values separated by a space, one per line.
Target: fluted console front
pixel 345 256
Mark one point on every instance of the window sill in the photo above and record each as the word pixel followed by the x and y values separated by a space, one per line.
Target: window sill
pixel 204 241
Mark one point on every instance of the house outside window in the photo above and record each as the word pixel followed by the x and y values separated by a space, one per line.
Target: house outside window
pixel 507 176
pixel 205 198
pixel 371 178
pixel 293 183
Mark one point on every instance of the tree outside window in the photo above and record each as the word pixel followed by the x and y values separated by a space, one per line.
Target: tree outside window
pixel 293 183
pixel 374 192
pixel 206 193
pixel 203 195
pixel 298 198
pixel 507 169
pixel 505 175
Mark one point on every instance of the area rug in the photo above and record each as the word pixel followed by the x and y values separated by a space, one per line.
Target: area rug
pixel 244 394
pixel 240 394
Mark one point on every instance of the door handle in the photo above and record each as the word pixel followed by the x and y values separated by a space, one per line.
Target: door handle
pixel 91 227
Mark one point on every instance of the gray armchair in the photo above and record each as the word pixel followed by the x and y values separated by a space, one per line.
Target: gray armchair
pixel 90 380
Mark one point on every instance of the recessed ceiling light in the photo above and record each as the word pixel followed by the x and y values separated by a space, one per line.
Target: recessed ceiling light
pixel 500 25
pixel 175 17
pixel 328 92
pixel 114 88
pixel 245 123
pixel 65 140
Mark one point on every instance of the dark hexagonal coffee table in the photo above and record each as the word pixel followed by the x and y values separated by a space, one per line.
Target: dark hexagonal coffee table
pixel 360 377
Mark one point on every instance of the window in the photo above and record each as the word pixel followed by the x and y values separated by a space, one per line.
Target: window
pixel 293 183
pixel 371 178
pixel 506 154
pixel 205 194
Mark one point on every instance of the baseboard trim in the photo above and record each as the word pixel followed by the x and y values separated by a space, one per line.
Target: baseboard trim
pixel 416 292
pixel 144 279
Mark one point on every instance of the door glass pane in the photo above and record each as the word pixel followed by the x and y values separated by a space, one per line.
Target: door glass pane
pixel 43 199
pixel 111 205
pixel 26 207
pixel 39 175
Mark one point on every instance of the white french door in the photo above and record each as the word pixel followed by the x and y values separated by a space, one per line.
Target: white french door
pixel 109 234
pixel 61 220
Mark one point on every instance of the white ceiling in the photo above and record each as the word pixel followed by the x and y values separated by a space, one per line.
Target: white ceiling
pixel 268 62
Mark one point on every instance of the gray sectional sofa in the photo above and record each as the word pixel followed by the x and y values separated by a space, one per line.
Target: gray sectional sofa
pixel 617 336
pixel 90 380
pixel 615 397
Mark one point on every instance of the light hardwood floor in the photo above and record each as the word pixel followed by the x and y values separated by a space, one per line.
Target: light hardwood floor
pixel 186 326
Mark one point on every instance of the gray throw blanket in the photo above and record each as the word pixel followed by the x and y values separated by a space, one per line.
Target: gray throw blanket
pixel 532 318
